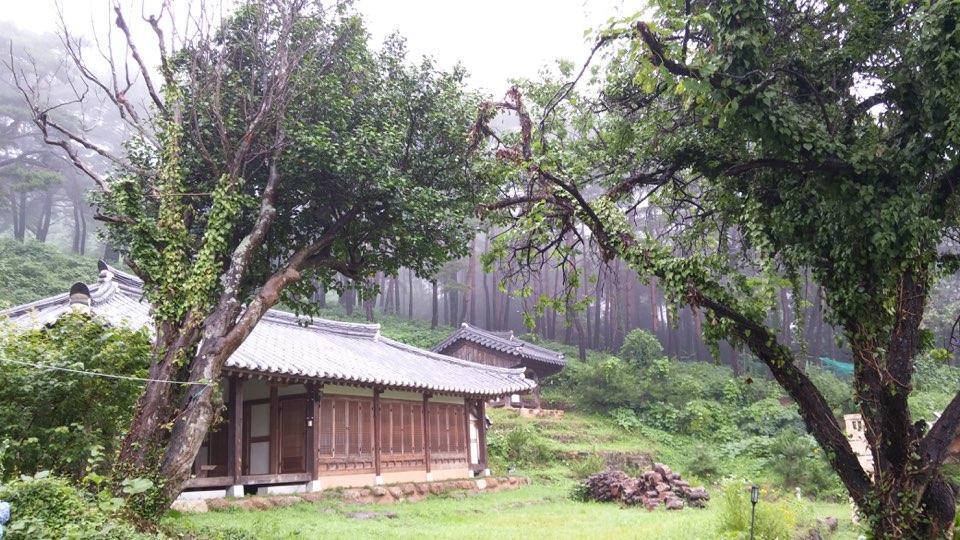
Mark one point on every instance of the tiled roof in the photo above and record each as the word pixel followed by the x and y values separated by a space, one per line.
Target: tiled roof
pixel 503 342
pixel 285 345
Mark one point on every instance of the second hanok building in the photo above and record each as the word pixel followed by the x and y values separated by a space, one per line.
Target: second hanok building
pixel 504 350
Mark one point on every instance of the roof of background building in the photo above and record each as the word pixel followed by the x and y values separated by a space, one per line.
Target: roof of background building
pixel 504 342
pixel 285 345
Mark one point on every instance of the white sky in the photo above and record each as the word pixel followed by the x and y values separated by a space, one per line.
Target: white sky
pixel 495 39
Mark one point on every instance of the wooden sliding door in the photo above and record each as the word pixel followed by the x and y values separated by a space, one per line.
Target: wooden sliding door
pixel 293 435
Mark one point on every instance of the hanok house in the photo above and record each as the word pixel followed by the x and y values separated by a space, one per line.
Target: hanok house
pixel 318 404
pixel 503 349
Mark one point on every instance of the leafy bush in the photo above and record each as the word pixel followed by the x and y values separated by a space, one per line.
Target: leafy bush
pixel 641 348
pixel 768 417
pixel 837 392
pixel 705 418
pixel 662 416
pixel 49 507
pixel 603 384
pixel 581 493
pixel 703 463
pixel 799 462
pixel 582 468
pixel 61 421
pixel 626 419
pixel 521 445
pixel 775 520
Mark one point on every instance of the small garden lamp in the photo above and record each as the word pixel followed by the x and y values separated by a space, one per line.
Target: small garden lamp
pixel 754 498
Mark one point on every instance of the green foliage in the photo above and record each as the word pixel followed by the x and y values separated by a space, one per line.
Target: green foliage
pixel 837 392
pixel 60 421
pixel 935 385
pixel 775 520
pixel 641 348
pixel 46 507
pixel 768 417
pixel 626 419
pixel 703 463
pixel 582 468
pixel 375 148
pixel 703 417
pixel 580 492
pixel 522 445
pixel 32 270
pixel 798 462
pixel 602 383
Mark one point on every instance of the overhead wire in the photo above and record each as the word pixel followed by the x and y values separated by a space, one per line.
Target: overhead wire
pixel 49 367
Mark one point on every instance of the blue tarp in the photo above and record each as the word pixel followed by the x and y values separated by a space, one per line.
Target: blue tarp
pixel 844 369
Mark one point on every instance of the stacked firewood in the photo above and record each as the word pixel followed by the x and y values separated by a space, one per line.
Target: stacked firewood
pixel 654 487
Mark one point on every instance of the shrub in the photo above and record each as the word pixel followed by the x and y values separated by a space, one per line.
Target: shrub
pixel 49 507
pixel 604 384
pixel 837 392
pixel 626 419
pixel 581 493
pixel 703 463
pixel 798 462
pixel 582 468
pixel 704 418
pixel 61 421
pixel 768 417
pixel 662 416
pixel 522 445
pixel 775 520
pixel 31 270
pixel 641 348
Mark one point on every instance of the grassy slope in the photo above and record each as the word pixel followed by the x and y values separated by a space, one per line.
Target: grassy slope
pixel 33 270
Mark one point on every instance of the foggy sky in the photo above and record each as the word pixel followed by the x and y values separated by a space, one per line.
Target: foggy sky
pixel 495 39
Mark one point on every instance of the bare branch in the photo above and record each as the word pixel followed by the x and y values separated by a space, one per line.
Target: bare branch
pixel 144 72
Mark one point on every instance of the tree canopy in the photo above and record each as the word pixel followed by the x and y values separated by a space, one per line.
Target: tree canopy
pixel 778 140
pixel 277 151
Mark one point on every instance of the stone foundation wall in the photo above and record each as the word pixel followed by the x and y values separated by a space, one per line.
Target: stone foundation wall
pixel 407 491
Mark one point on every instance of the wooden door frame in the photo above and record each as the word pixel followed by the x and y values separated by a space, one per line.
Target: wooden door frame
pixel 306 432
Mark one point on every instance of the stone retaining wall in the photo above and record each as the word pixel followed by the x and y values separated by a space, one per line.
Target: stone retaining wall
pixel 409 491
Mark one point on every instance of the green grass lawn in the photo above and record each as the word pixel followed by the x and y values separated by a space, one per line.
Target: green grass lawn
pixel 541 511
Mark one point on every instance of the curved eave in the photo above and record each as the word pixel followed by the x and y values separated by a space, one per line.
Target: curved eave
pixel 382 384
pixel 518 348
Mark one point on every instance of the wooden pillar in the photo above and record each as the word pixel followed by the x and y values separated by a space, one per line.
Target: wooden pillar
pixel 426 432
pixel 235 429
pixel 314 396
pixel 274 429
pixel 467 406
pixel 483 434
pixel 376 430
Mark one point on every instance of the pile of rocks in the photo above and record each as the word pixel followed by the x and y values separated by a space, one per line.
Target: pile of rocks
pixel 654 487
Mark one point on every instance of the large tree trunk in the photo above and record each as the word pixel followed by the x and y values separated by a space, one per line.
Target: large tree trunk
pixel 141 443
